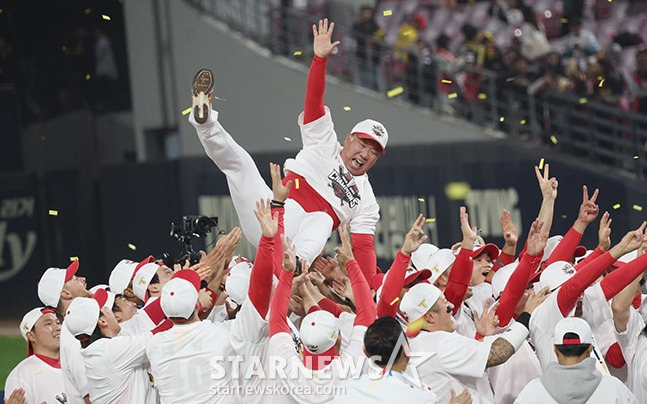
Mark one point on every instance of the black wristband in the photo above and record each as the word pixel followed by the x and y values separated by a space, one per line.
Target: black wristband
pixel 275 202
pixel 524 318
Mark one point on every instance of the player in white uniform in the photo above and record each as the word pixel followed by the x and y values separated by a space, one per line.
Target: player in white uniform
pixel 115 365
pixel 57 288
pixel 39 375
pixel 574 378
pixel 330 184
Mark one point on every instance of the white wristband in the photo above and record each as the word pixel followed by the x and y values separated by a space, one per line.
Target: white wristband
pixel 515 334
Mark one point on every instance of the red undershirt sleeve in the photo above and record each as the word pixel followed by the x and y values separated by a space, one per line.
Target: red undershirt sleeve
pixel 329 306
pixel 364 252
pixel 279 304
pixel 572 289
pixel 516 286
pixel 392 286
pixel 614 356
pixel 260 280
pixel 362 292
pixel 566 247
pixel 315 87
pixel 617 280
pixel 459 279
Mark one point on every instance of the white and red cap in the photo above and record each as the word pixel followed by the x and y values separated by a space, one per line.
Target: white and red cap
pixel 501 278
pixel 237 283
pixel 121 275
pixel 491 249
pixel 551 243
pixel 554 275
pixel 572 325
pixel 439 262
pixel 143 278
pixel 28 321
pixel 418 300
pixel 319 332
pixel 422 254
pixel 82 314
pixel 180 294
pixel 416 275
pixel 52 281
pixel 373 130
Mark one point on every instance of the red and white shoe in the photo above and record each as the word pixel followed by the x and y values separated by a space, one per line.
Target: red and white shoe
pixel 201 95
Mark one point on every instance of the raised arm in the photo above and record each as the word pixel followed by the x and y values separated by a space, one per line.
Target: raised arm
pixel 280 193
pixel 281 299
pixel 511 236
pixel 548 187
pixel 461 273
pixel 316 84
pixel 604 241
pixel 260 280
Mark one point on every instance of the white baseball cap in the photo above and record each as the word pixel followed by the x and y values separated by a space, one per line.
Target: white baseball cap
pixel 52 281
pixel 97 287
pixel 551 243
pixel 319 331
pixel 422 254
pixel 143 278
pixel 180 294
pixel 574 325
pixel 418 300
pixel 438 263
pixel 413 275
pixel 370 129
pixel 28 321
pixel 554 275
pixel 491 249
pixel 121 275
pixel 237 283
pixel 82 314
pixel 626 258
pixel 501 277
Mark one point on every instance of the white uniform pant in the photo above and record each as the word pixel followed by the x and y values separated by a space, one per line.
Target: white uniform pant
pixel 308 231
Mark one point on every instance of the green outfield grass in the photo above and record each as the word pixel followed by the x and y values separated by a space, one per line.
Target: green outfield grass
pixel 12 351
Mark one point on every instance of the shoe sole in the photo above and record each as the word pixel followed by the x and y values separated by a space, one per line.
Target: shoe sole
pixel 202 88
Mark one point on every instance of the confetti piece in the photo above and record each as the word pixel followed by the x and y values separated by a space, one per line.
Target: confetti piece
pixel 87 11
pixel 616 206
pixel 74 258
pixel 636 157
pixel 395 91
pixel 482 96
pixel 287 139
pixel 53 212
pixel 186 111
pixel 601 83
pixel 430 220
pixel 297 53
pixel 421 199
pixel 564 20
pixel 132 246
pixel 564 216
pixel 387 13
pixel 87 76
pixel 509 79
pixel 445 81
pixel 541 164
pixel 523 122
pixel 582 100
pixel 105 17
pixel 394 301
pixel 501 119
pixel 638 208
pixel 457 190
pixel 415 326
pixel 346 108
pixel 296 183
pixel 452 96
pixel 553 139
pixel 220 99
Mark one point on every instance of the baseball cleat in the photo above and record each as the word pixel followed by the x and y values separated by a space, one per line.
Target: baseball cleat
pixel 201 91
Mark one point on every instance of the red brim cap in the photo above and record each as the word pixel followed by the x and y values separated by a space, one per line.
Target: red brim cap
pixel 145 261
pixel 101 296
pixel 370 137
pixel 491 249
pixel 419 275
pixel 188 275
pixel 318 361
pixel 71 270
pixel 580 251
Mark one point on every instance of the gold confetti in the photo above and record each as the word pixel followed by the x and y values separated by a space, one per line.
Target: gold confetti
pixel 387 13
pixel 132 246
pixel 296 183
pixel 220 99
pixel 87 11
pixel 430 220
pixel 564 20
pixel 638 208
pixel 53 212
pixel 509 79
pixel 186 111
pixel 445 81
pixel 482 96
pixel 501 119
pixel 394 301
pixel 553 139
pixel 457 190
pixel 564 216
pixel 421 199
pixel 601 83
pixel 452 96
pixel 87 76
pixel 616 206
pixel 582 100
pixel 415 326
pixel 523 122
pixel 347 108
pixel 395 91
pixel 74 258
pixel 541 164
pixel 287 139
pixel 636 157
pixel 105 17
pixel 297 53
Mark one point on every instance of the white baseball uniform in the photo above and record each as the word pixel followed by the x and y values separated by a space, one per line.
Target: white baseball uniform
pixel 392 387
pixel 116 370
pixel 634 350
pixel 40 381
pixel 74 377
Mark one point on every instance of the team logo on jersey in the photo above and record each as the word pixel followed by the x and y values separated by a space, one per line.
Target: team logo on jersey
pixel 344 187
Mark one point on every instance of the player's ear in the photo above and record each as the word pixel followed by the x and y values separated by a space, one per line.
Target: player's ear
pixel 154 288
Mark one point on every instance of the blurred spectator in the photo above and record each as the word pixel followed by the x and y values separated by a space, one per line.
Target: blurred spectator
pixel 420 74
pixel 638 85
pixel 368 34
pixel 508 11
pixel 468 48
pixel 451 78
pixel 606 83
pixel 552 76
pixel 534 43
pixel 580 43
pixel 572 9
pixel 104 81
pixel 408 35
pixel 488 55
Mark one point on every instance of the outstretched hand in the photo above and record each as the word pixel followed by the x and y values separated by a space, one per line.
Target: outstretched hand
pixel 588 209
pixel 510 234
pixel 345 252
pixel 604 232
pixel 279 191
pixel 413 239
pixel 547 185
pixel 322 43
pixel 269 223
